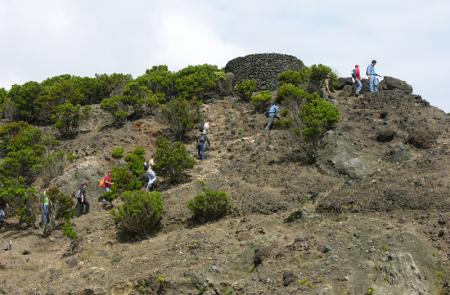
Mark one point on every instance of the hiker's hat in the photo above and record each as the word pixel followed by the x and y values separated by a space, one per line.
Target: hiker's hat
pixel 374 61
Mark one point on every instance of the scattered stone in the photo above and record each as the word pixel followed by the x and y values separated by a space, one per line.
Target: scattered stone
pixel 324 248
pixel 441 233
pixel 238 285
pixel 385 135
pixel 288 278
pixel 295 216
pixel 26 252
pixel 261 254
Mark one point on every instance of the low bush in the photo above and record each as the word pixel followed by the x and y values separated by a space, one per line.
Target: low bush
pixel 61 204
pixel 197 81
pixel 261 101
pixel 67 119
pixel 182 116
pixel 117 152
pixel 69 231
pixel 318 116
pixel 245 89
pixel 172 160
pixel 285 121
pixel 209 206
pixel 140 213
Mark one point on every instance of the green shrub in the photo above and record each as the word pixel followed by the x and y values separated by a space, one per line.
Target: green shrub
pixel 69 231
pixel 261 101
pixel 117 152
pixel 140 212
pixel 209 205
pixel 245 89
pixel 159 80
pixel 309 78
pixel 22 147
pixel 51 166
pixel 318 116
pixel 117 108
pixel 285 121
pixel 172 160
pixel 128 177
pixel 288 93
pixel 197 81
pixel 182 116
pixel 67 119
pixel 71 156
pixel 61 204
pixel 294 77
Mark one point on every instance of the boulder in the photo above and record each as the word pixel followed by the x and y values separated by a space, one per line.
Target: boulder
pixel 385 135
pixel 390 83
pixel 397 154
pixel 340 155
pixel 422 138
pixel 343 82
pixel 225 84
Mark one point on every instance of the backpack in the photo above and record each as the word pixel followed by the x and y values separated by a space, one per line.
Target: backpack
pixel 354 74
pixel 101 183
pixel 76 194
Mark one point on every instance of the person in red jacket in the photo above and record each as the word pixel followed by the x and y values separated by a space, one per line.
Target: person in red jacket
pixel 108 181
pixel 356 75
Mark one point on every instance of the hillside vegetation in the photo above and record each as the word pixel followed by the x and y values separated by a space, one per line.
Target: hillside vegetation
pixel 348 195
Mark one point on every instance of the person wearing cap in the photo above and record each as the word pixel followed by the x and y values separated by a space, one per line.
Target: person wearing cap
pixel 357 77
pixel 373 77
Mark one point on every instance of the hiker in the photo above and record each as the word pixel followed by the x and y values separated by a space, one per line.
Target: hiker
pixel 151 175
pixel 45 208
pixel 82 204
pixel 202 141
pixel 327 92
pixel 272 114
pixel 373 76
pixel 106 182
pixel 2 215
pixel 206 127
pixel 356 75
pixel 150 162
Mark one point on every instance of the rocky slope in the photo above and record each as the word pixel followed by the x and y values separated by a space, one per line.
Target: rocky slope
pixel 373 214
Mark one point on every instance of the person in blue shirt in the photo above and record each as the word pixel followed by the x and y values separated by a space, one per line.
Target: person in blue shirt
pixel 272 114
pixel 373 77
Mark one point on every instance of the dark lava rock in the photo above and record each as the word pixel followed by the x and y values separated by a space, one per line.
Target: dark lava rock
pixel 390 83
pixel 422 138
pixel 397 154
pixel 288 278
pixel 385 135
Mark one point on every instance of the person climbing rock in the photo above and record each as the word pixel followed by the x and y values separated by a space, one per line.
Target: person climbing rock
pixel 82 204
pixel 326 90
pixel 373 76
pixel 151 175
pixel 45 207
pixel 106 182
pixel 202 141
pixel 272 114
pixel 356 75
pixel 2 213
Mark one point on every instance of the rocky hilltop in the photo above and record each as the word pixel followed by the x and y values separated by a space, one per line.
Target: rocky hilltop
pixel 372 216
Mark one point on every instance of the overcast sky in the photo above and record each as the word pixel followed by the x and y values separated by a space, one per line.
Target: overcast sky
pixel 42 38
